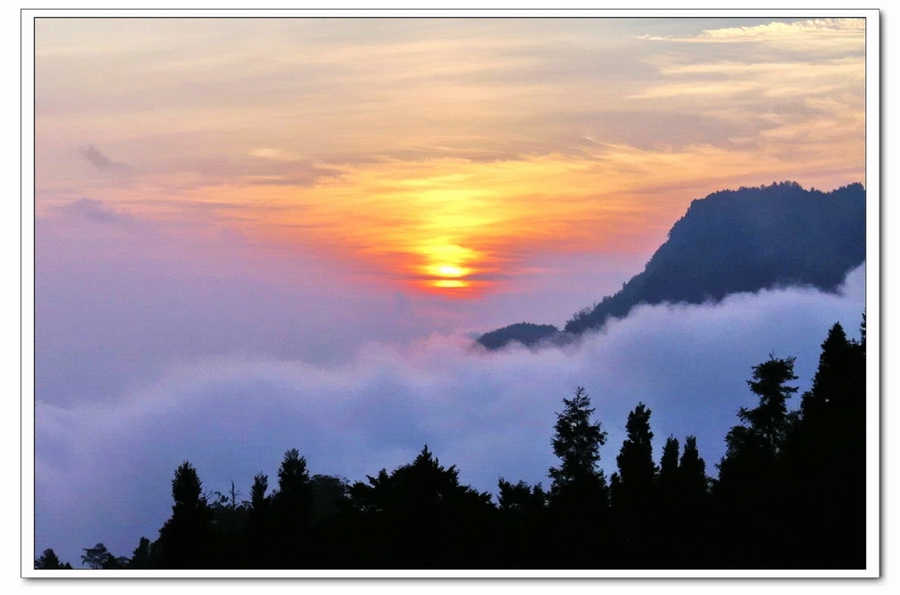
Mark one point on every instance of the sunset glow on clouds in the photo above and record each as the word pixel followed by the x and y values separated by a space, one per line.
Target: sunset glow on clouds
pixel 246 226
pixel 440 154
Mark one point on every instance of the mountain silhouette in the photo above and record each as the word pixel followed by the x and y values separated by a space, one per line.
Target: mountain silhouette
pixel 732 241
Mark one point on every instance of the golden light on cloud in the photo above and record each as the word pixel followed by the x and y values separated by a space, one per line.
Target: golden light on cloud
pixel 458 228
pixel 450 284
pixel 441 155
pixel 796 30
pixel 447 270
pixel 265 153
pixel 448 266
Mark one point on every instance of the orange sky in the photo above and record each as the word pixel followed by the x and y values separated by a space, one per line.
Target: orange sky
pixel 441 155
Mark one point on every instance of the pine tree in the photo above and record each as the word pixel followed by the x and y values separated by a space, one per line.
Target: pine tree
pixel 634 501
pixel 186 538
pixel 693 484
pixel 769 420
pixel 523 524
pixel 635 459
pixel 259 528
pixel 668 465
pixel 50 561
pixel 142 556
pixel 579 496
pixel 291 511
pixel 825 456
pixel 577 443
pixel 752 478
pixel 420 516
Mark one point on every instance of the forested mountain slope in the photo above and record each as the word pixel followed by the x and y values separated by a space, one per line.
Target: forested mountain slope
pixel 736 241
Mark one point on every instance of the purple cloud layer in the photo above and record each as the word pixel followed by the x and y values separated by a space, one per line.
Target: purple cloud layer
pixel 103 467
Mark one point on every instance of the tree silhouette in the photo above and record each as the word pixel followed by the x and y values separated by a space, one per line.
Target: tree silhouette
pixel 752 448
pixel 48 560
pixel 291 510
pixel 185 539
pixel 258 499
pixel 422 517
pixel 689 510
pixel 668 466
pixel 635 459
pixel 229 519
pixel 752 485
pixel 142 556
pixel 520 499
pixel 259 528
pixel 577 443
pixel 578 494
pixel 633 494
pixel 693 484
pixel 769 419
pixel 98 557
pixel 826 456
pixel 523 524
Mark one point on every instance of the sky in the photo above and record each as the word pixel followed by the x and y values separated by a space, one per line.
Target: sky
pixel 252 235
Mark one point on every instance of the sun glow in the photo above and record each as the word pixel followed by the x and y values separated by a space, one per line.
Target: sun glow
pixel 396 154
pixel 450 284
pixel 458 227
pixel 448 270
pixel 448 266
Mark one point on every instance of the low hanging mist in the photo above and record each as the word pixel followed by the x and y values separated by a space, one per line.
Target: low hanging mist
pixel 103 469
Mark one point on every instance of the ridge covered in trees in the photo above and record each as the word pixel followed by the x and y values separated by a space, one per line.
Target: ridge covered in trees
pixel 790 494
pixel 732 241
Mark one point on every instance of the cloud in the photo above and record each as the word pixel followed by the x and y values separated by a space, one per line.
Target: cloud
pixel 103 470
pixel 95 210
pixel 259 167
pixel 102 162
pixel 775 31
pixel 778 30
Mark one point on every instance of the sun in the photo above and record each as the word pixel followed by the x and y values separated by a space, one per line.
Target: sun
pixel 447 266
pixel 450 284
pixel 448 270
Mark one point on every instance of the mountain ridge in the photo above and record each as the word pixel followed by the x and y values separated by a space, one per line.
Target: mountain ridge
pixel 731 241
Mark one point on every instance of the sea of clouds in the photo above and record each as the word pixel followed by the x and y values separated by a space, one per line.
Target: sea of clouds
pixel 103 467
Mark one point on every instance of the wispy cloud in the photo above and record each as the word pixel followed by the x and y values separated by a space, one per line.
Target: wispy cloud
pixel 775 31
pixel 102 162
pixel 95 210
pixel 488 119
pixel 779 30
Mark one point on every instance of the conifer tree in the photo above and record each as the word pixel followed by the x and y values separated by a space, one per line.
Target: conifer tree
pixel 579 495
pixel 142 556
pixel 577 443
pixel 634 502
pixel 185 539
pixel 753 448
pixel 752 479
pixel 693 483
pixel 523 524
pixel 293 501
pixel 259 529
pixel 826 456
pixel 635 459
pixel 420 516
pixel 48 560
pixel 668 465
pixel 291 511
